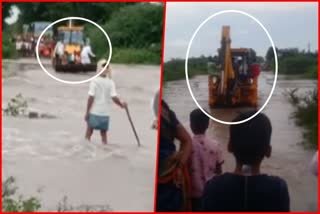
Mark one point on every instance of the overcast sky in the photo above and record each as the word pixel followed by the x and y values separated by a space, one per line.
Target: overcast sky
pixel 289 24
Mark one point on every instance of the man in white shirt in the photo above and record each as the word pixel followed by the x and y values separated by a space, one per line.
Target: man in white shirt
pixel 59 51
pixel 86 53
pixel 102 92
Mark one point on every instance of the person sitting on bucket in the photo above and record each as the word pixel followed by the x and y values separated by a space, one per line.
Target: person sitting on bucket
pixel 102 91
pixel 86 53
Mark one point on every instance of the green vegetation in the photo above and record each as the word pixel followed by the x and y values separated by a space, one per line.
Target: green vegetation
pixel 135 56
pixel 8 47
pixel 13 203
pixel 306 115
pixel 135 29
pixel 175 68
pixel 293 61
pixel 51 11
pixel 135 32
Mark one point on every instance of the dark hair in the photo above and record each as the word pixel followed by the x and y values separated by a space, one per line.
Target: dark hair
pixel 250 140
pixel 199 122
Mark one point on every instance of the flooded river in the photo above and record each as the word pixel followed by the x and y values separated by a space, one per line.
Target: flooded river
pixel 289 160
pixel 50 158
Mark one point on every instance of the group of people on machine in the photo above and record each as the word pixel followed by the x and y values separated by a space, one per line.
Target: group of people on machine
pixel 81 57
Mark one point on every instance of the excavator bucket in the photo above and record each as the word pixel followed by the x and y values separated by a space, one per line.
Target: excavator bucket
pixel 76 68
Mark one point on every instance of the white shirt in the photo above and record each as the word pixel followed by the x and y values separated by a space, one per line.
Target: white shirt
pixel 85 55
pixel 59 49
pixel 19 45
pixel 102 89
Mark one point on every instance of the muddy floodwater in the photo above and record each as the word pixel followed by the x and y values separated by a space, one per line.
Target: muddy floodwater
pixel 50 158
pixel 289 159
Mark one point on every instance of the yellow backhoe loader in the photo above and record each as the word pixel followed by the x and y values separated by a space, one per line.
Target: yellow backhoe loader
pixel 73 42
pixel 234 80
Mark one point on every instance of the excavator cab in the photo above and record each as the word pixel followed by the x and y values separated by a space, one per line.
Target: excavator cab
pixel 73 41
pixel 233 81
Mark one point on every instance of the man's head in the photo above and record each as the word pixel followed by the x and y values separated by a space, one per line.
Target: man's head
pixel 199 122
pixel 100 65
pixel 250 141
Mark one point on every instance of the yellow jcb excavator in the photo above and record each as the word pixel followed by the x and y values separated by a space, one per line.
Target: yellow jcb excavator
pixel 234 81
pixel 72 38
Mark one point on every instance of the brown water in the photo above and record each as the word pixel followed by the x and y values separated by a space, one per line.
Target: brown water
pixel 51 155
pixel 289 160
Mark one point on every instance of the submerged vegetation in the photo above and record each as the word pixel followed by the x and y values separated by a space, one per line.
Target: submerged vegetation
pixel 16 106
pixel 306 115
pixel 13 203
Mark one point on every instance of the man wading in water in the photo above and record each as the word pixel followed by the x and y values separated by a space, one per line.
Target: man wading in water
pixel 102 92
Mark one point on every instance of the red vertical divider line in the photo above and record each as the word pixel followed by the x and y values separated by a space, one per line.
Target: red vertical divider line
pixel 318 101
pixel 1 98
pixel 160 104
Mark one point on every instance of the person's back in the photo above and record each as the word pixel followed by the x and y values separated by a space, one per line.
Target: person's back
pixel 235 193
pixel 206 157
pixel 251 190
pixel 85 54
pixel 104 90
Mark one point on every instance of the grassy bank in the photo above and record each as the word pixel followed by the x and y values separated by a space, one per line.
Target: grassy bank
pixel 299 65
pixel 135 56
pixel 175 68
pixel 306 115
pixel 293 61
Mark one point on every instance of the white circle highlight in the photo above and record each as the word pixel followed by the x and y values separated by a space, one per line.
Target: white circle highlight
pixel 275 57
pixel 73 18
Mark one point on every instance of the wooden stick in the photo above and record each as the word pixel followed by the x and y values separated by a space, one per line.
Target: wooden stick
pixel 133 128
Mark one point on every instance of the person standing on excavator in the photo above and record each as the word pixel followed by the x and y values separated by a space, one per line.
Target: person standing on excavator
pixel 59 51
pixel 86 53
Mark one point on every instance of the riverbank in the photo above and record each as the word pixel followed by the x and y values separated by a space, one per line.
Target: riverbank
pixel 305 67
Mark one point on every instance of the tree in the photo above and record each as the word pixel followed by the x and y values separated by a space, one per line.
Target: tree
pixel 137 26
pixel 97 12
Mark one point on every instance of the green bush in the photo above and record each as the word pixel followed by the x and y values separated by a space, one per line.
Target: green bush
pixel 175 68
pixel 312 72
pixel 297 64
pixel 135 56
pixel 12 203
pixel 8 47
pixel 135 32
pixel 306 115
